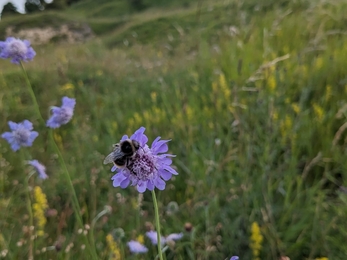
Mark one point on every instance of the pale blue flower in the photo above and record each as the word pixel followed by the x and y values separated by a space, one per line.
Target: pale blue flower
pixel 174 236
pixel 62 115
pixel 21 134
pixel 148 168
pixel 136 247
pixel 41 169
pixel 17 50
pixel 234 258
pixel 153 236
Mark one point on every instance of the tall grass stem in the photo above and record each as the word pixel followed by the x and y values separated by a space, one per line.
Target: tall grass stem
pixel 157 224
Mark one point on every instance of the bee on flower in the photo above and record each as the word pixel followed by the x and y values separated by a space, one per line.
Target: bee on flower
pixel 139 165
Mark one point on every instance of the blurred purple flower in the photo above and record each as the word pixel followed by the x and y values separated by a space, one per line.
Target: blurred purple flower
pixel 234 258
pixel 17 50
pixel 174 236
pixel 147 169
pixel 152 235
pixel 21 134
pixel 41 169
pixel 62 115
pixel 136 247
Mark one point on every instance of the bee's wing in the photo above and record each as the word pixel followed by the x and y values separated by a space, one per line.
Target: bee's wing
pixel 109 158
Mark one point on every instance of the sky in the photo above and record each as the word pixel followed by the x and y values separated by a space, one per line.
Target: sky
pixel 20 4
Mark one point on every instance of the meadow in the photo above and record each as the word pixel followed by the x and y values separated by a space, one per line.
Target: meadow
pixel 252 95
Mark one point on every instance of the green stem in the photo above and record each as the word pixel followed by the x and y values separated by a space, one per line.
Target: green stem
pixel 75 203
pixel 32 94
pixel 91 232
pixel 61 160
pixel 157 224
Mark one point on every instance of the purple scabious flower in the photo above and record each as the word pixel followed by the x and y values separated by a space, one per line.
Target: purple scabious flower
pixel 136 247
pixel 21 134
pixel 17 50
pixel 174 236
pixel 234 258
pixel 153 236
pixel 62 115
pixel 41 169
pixel 148 168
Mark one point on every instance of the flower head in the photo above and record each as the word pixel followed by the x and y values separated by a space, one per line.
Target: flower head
pixel 114 247
pixel 17 50
pixel 256 239
pixel 174 236
pixel 234 257
pixel 21 134
pixel 148 167
pixel 136 247
pixel 153 236
pixel 41 169
pixel 39 208
pixel 62 115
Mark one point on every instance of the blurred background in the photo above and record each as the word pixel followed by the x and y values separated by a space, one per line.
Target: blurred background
pixel 252 93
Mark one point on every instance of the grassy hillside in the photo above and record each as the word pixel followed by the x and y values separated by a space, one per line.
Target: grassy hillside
pixel 253 97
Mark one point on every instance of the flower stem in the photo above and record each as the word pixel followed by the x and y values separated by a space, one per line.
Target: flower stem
pixel 75 203
pixel 157 224
pixel 32 94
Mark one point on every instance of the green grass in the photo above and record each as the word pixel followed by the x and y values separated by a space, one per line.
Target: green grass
pixel 253 98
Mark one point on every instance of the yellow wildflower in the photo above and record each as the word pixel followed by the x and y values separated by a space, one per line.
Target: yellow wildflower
pixel 113 246
pixel 140 239
pixel 256 240
pixel 322 258
pixel 39 208
pixel 67 86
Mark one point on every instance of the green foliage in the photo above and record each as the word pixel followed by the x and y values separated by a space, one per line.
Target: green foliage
pixel 254 101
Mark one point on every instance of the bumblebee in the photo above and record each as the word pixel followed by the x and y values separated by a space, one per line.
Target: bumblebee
pixel 122 153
